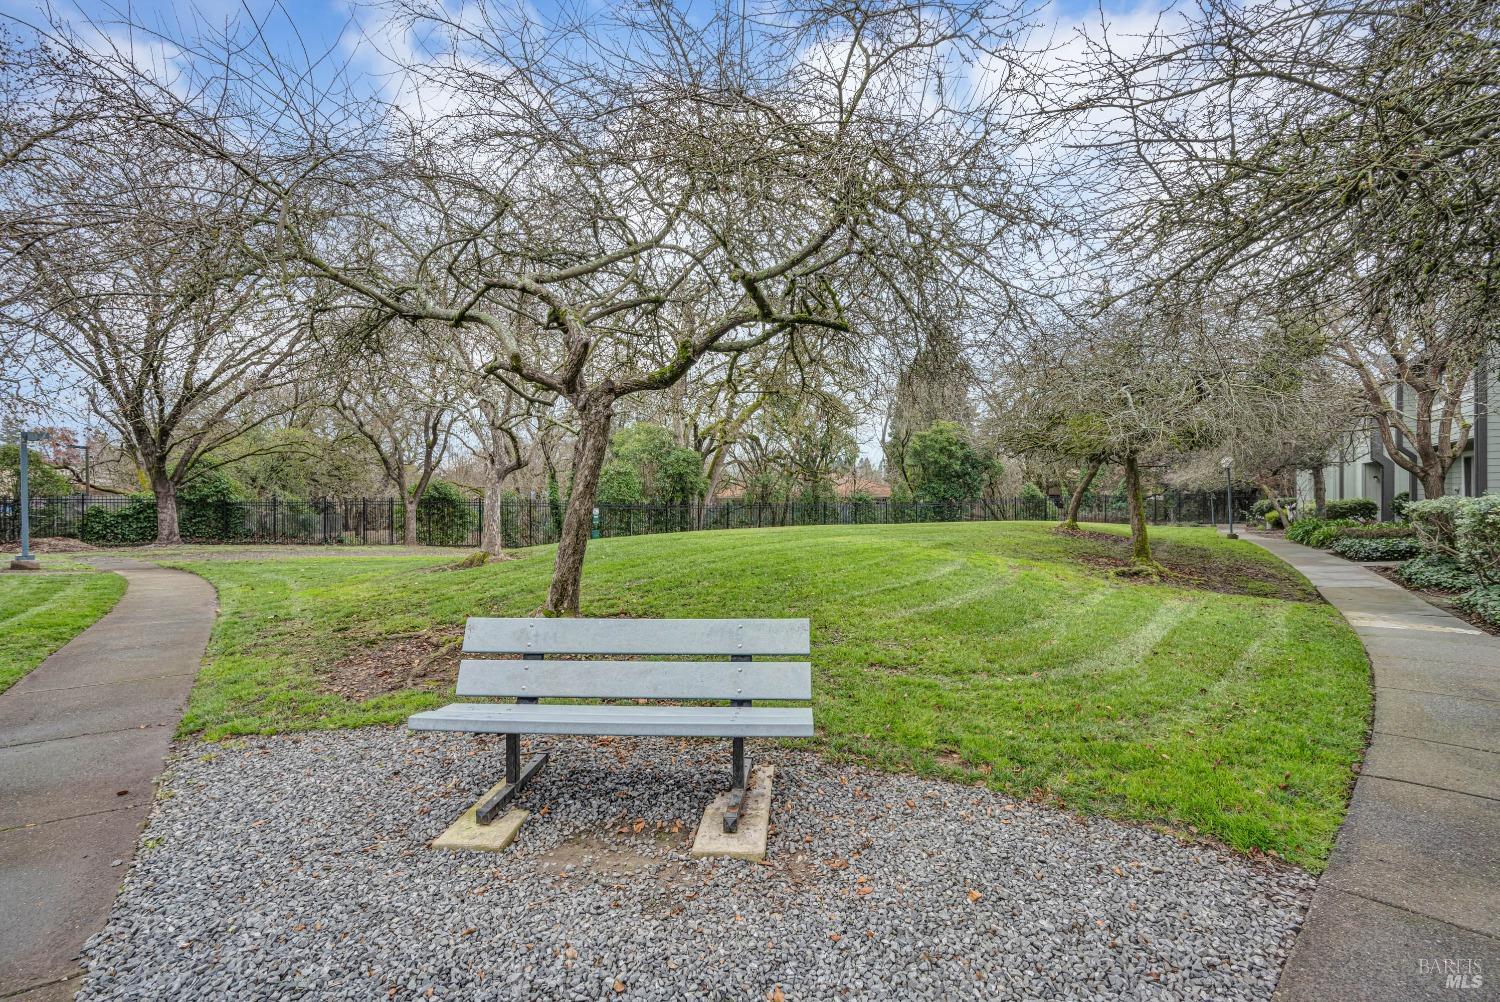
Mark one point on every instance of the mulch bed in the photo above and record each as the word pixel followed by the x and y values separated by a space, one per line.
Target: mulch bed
pixel 427 659
pixel 50 544
pixel 1193 567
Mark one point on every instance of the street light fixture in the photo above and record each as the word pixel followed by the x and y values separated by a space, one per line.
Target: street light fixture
pixel 24 560
pixel 1228 463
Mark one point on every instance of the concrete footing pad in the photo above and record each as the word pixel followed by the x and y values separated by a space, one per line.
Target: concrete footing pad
pixel 468 834
pixel 749 842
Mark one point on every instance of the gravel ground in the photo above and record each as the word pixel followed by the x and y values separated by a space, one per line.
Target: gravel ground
pixel 297 867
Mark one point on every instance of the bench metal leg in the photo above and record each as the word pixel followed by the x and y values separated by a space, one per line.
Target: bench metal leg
pixel 739 775
pixel 516 778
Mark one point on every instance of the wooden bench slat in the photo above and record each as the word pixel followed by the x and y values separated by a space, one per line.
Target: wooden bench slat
pixel 637 636
pixel 661 721
pixel 637 679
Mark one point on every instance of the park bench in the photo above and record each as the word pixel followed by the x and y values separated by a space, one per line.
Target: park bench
pixel 739 680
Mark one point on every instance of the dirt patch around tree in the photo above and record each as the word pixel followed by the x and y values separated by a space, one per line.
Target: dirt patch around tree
pixel 51 544
pixel 424 660
pixel 1193 567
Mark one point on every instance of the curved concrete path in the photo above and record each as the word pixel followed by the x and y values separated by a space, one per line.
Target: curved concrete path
pixel 1409 907
pixel 82 739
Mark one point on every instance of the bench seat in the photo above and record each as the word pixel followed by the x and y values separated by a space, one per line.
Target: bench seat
pixel 667 721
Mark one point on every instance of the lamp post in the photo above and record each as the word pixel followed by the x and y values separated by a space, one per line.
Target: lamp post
pixel 1228 463
pixel 24 560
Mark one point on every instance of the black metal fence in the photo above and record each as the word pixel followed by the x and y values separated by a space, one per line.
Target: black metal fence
pixel 371 521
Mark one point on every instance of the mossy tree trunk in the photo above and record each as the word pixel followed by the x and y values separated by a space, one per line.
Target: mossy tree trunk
pixel 1140 540
pixel 1070 521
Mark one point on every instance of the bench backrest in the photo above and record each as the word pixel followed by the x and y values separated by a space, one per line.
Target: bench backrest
pixel 737 679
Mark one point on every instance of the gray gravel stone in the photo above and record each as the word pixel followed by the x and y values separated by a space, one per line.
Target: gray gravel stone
pixel 297 867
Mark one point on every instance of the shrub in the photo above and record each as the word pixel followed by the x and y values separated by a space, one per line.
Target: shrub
pixel 945 464
pixel 1433 522
pixel 1365 509
pixel 1477 532
pixel 619 483
pixel 444 516
pixel 1319 532
pixel 1482 602
pixel 129 524
pixel 1397 548
pixel 1398 505
pixel 1303 529
pixel 862 508
pixel 207 508
pixel 1435 571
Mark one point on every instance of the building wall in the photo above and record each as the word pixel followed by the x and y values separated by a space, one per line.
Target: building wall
pixel 1356 476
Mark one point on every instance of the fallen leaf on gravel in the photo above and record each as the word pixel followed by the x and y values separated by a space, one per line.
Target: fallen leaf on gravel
pixel 619 986
pixel 834 936
pixel 639 824
pixel 836 863
pixel 467 932
pixel 974 895
pixel 864 890
pixel 776 995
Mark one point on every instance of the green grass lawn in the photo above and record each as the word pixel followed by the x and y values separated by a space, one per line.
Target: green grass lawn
pixel 1002 653
pixel 41 611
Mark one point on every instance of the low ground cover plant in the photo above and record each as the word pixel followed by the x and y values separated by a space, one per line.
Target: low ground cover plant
pixel 1376 548
pixel 1436 572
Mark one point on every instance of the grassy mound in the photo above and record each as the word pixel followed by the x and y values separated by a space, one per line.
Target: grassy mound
pixel 996 652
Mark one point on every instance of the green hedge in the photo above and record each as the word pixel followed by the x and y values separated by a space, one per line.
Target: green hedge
pixel 1387 548
pixel 130 524
pixel 1360 508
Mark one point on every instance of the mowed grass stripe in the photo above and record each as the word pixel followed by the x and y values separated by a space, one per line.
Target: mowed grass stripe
pixel 45 611
pixel 993 652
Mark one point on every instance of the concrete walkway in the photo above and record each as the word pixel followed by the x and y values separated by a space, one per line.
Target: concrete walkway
pixel 82 739
pixel 1409 907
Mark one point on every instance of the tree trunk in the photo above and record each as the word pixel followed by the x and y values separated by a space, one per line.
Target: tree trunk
pixel 1320 491
pixel 491 540
pixel 409 526
pixel 167 531
pixel 1076 501
pixel 595 414
pixel 1140 542
pixel 1433 481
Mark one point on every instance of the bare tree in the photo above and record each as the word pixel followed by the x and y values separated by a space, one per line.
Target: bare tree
pixel 400 394
pixel 1339 161
pixel 643 186
pixel 139 295
pixel 1144 382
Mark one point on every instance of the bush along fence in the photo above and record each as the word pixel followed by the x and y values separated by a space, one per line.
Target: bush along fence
pixel 455 521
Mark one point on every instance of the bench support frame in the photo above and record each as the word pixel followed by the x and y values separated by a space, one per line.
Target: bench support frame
pixel 739 770
pixel 517 774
